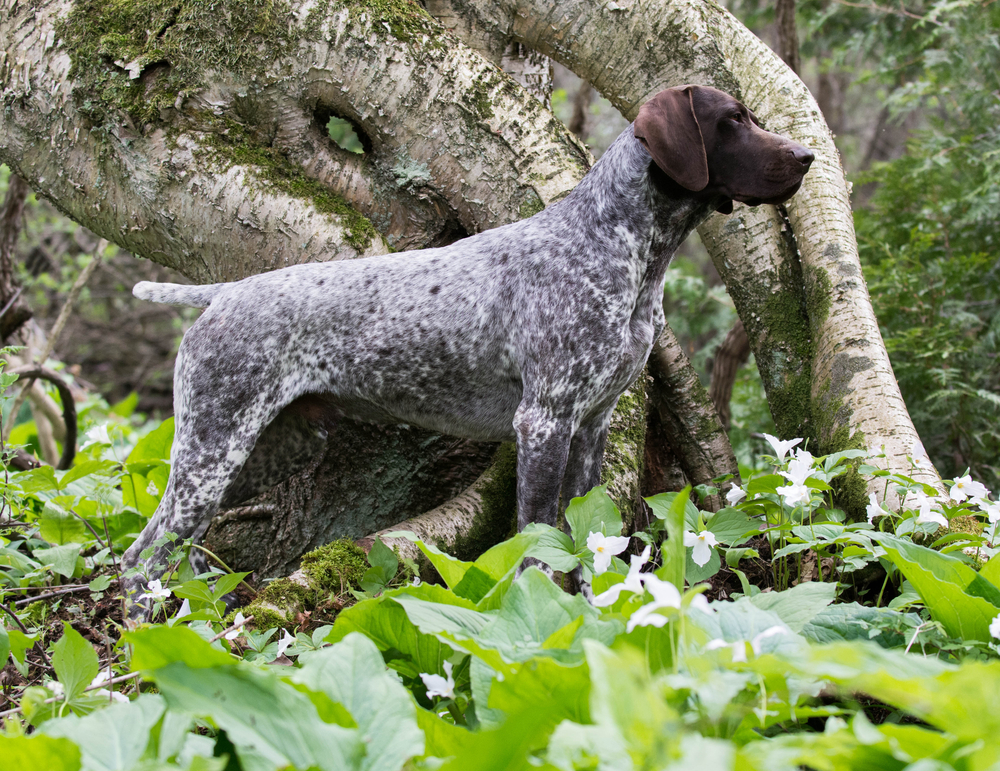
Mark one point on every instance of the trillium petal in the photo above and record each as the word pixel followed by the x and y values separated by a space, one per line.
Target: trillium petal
pixel 701 553
pixel 780 447
pixel 735 495
pixel 602 561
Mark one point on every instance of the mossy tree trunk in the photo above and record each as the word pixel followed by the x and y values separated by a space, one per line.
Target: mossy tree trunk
pixel 194 135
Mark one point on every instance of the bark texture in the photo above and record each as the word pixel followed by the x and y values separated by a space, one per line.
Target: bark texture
pixel 732 354
pixel 14 311
pixel 687 420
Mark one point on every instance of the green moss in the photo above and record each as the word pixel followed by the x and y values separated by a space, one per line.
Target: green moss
pixel 819 291
pixel 531 204
pixel 498 519
pixel 779 316
pixel 336 567
pixel 406 20
pixel 831 418
pixel 168 46
pixel 282 593
pixel 623 452
pixel 266 618
pixel 286 593
pixel 233 145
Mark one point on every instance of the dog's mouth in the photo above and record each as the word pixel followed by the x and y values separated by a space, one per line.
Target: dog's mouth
pixel 780 198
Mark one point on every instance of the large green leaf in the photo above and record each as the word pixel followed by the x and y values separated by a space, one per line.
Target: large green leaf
pixel 385 623
pixel 851 621
pixel 62 559
pixel 112 739
pixel 595 512
pixel 353 674
pixel 37 753
pixel 958 597
pixel 452 569
pixel 74 661
pixel 536 612
pixel 731 526
pixel 563 691
pixel 962 700
pixel 270 723
pixel 158 646
pixel 155 445
pixel 58 526
pixel 797 606
pixel 555 549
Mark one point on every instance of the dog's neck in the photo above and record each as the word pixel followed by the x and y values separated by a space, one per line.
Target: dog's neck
pixel 653 214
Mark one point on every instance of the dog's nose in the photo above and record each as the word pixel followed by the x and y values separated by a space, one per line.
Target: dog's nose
pixel 803 155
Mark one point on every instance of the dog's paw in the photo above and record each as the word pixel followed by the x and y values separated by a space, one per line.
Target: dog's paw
pixel 580 585
pixel 529 562
pixel 138 609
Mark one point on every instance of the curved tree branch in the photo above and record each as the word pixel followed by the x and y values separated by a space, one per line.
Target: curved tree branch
pixel 32 372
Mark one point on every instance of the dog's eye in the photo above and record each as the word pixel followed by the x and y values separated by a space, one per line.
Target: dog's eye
pixel 737 117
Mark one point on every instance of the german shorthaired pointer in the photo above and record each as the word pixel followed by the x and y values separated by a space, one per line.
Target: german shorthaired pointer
pixel 529 332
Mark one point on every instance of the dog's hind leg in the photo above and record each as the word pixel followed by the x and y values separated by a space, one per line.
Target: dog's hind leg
pixel 211 445
pixel 586 451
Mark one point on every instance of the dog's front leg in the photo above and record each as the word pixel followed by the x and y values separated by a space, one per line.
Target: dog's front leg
pixel 543 441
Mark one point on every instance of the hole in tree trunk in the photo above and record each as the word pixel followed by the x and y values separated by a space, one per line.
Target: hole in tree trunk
pixel 343 132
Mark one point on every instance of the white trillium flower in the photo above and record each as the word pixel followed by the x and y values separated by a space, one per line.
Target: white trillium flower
pixel 440 686
pixel 238 623
pixel 702 543
pixel 991 509
pixel 665 595
pixel 604 548
pixel 873 509
pixel 632 582
pixel 285 641
pixel 918 500
pixel 96 435
pixel 919 456
pixel 994 627
pixel 780 447
pixel 700 602
pixel 735 495
pixel 799 470
pixel 104 677
pixel 794 494
pixel 185 610
pixel 157 592
pixel 964 488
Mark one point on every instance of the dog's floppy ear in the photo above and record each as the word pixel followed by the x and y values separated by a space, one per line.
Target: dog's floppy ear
pixel 669 129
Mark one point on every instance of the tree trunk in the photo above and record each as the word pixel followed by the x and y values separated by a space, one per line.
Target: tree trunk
pixel 732 354
pixel 788 38
pixel 13 311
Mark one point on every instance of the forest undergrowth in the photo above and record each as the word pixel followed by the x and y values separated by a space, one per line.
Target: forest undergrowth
pixel 772 634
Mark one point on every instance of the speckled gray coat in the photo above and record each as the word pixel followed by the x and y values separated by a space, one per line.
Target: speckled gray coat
pixel 529 332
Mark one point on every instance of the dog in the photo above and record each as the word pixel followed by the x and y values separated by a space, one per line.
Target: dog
pixel 528 332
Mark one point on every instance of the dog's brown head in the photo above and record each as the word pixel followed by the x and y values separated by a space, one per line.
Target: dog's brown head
pixel 709 143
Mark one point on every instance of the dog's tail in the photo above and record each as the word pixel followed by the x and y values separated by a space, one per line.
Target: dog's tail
pixel 196 295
